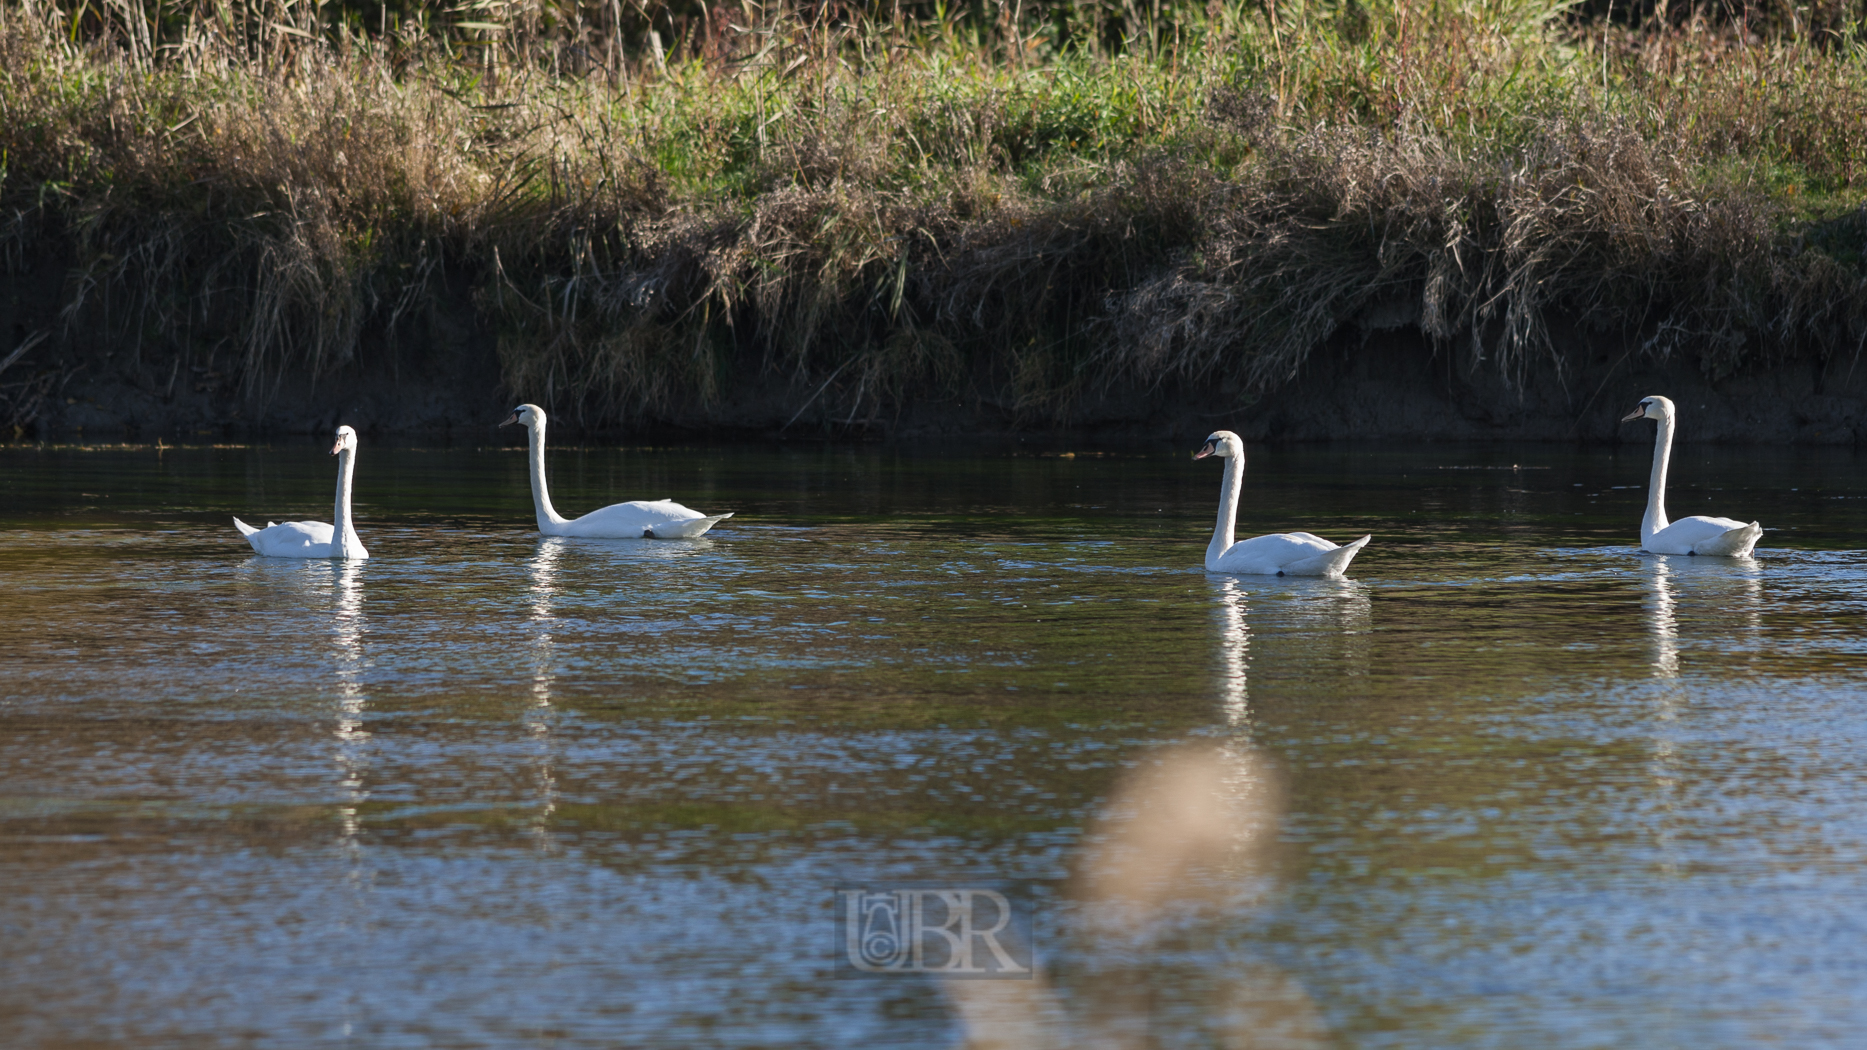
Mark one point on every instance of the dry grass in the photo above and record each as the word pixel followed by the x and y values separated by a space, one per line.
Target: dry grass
pixel 1584 220
pixel 864 212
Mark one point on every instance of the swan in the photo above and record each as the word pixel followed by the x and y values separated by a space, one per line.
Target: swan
pixel 314 539
pixel 1698 534
pixel 637 519
pixel 1278 554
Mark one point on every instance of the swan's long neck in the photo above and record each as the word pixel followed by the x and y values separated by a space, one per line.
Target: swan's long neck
pixel 349 544
pixel 541 497
pixel 1223 531
pixel 1655 519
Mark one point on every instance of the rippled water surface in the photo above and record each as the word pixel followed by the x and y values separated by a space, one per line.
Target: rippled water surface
pixel 487 789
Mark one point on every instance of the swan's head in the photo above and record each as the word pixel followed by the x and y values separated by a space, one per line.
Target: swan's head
pixel 346 441
pixel 1221 443
pixel 525 416
pixel 1655 407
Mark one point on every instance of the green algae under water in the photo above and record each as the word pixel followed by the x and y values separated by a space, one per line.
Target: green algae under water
pixel 488 789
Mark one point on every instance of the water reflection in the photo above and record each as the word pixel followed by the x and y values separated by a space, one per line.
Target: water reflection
pixel 1723 601
pixel 347 630
pixel 1234 654
pixel 1310 627
pixel 283 599
pixel 1337 618
pixel 543 570
pixel 1304 627
pixel 543 573
pixel 629 550
pixel 1477 788
pixel 1662 616
pixel 1726 610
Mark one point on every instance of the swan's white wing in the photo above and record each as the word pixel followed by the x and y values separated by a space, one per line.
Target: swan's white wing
pixel 1332 562
pixel 293 539
pixel 1269 555
pixel 1702 534
pixel 634 520
pixel 687 530
pixel 1735 543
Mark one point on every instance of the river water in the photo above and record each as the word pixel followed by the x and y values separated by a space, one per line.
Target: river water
pixel 488 789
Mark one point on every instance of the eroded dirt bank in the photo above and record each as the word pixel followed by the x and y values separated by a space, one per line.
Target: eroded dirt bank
pixel 1364 384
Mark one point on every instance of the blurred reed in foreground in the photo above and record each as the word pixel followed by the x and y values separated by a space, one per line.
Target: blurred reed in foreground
pixel 1180 853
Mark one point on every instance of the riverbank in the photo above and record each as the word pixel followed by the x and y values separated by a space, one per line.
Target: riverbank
pixel 1364 384
pixel 1368 220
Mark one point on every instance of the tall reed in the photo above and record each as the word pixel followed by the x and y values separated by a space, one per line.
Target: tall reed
pixel 657 206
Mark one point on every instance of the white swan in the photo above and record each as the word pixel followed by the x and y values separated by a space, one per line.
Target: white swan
pixel 637 519
pixel 1278 554
pixel 1698 534
pixel 314 539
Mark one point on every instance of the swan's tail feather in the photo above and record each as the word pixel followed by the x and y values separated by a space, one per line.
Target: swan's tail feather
pixel 245 529
pixel 684 530
pixel 1328 563
pixel 1735 543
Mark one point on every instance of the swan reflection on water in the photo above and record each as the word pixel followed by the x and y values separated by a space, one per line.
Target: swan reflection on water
pixel 625 550
pixel 1662 616
pixel 1304 625
pixel 1334 620
pixel 1727 602
pixel 347 630
pixel 335 589
pixel 1234 654
pixel 1725 598
pixel 543 570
